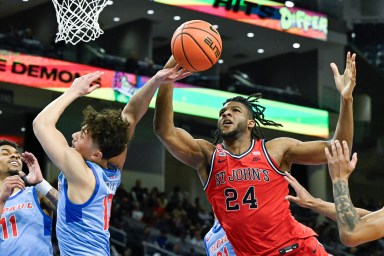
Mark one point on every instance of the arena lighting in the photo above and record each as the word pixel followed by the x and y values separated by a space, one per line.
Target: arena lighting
pixel 262 13
pixel 57 75
pixel 19 140
pixel 206 103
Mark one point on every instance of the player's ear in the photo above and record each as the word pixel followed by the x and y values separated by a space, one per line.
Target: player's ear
pixel 97 155
pixel 251 123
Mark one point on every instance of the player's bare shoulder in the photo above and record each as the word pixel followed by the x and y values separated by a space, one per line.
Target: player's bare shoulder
pixel 278 147
pixel 207 150
pixel 282 142
pixel 206 147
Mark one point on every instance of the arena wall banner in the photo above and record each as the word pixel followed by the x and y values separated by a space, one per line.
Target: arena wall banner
pixel 52 74
pixel 263 13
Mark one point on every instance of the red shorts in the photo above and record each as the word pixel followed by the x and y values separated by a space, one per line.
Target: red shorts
pixel 305 247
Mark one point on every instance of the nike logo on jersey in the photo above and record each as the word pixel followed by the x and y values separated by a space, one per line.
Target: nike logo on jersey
pixel 221 160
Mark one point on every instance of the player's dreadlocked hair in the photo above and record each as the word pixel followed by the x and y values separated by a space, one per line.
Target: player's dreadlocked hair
pixel 257 114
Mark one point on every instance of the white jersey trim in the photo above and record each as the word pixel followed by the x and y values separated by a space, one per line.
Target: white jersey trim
pixel 210 170
pixel 242 155
pixel 274 167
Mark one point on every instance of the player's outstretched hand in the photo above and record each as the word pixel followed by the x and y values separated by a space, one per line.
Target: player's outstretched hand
pixel 303 198
pixel 35 175
pixel 346 82
pixel 10 183
pixel 340 165
pixel 170 75
pixel 87 83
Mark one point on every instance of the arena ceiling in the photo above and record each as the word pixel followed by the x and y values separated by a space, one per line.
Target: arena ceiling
pixel 237 47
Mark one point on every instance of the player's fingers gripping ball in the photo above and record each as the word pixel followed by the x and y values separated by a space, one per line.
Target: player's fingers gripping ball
pixel 196 45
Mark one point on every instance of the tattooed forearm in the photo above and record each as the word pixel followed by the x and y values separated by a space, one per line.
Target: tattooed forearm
pixel 52 196
pixel 346 214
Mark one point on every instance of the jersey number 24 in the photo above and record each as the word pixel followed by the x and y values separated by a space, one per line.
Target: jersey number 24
pixel 232 195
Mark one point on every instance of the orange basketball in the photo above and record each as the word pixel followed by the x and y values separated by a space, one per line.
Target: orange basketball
pixel 196 45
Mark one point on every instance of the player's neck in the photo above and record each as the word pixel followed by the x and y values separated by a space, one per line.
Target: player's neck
pixel 15 191
pixel 237 146
pixel 3 176
pixel 102 163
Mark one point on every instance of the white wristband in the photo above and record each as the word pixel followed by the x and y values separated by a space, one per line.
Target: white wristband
pixel 43 187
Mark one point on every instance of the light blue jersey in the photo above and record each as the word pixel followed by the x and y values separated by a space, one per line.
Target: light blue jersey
pixel 82 229
pixel 216 242
pixel 24 227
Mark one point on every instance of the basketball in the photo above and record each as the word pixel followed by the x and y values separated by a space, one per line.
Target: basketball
pixel 196 45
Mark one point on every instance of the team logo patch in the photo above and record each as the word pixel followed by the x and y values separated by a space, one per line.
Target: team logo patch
pixel 221 152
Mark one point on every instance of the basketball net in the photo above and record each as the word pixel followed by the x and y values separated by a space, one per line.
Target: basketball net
pixel 78 20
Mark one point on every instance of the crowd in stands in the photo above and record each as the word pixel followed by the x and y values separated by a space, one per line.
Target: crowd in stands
pixel 149 222
pixel 23 40
pixel 155 223
pixel 173 222
pixel 368 38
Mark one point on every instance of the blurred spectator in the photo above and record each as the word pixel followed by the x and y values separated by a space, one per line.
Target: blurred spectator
pixel 137 213
pixel 127 252
pixel 162 239
pixel 138 192
pixel 148 69
pixel 132 63
pixel 176 195
pixel 26 33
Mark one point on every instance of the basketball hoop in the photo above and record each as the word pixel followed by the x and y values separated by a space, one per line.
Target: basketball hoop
pixel 78 20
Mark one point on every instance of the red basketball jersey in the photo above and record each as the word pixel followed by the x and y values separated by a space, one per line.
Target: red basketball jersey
pixel 247 193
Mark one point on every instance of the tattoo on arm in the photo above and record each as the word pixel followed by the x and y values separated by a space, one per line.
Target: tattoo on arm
pixel 52 196
pixel 346 214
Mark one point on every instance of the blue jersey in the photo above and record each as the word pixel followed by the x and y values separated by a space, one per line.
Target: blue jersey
pixel 24 227
pixel 82 229
pixel 216 242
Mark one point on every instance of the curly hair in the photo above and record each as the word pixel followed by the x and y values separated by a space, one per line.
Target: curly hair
pixel 8 143
pixel 256 112
pixel 107 129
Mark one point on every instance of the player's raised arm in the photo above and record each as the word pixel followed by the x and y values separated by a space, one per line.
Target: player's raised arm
pixel 179 142
pixel 304 199
pixel 313 152
pixel 353 229
pixel 52 140
pixel 139 103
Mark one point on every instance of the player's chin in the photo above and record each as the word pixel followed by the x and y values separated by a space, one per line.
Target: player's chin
pixel 13 172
